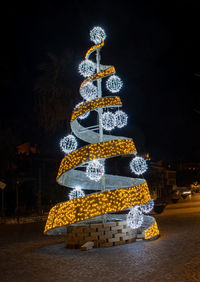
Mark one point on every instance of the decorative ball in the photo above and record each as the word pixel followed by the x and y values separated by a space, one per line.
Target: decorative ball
pixel 89 91
pixel 135 218
pixel 95 170
pixel 77 192
pixel 108 121
pixel 114 84
pixel 85 115
pixel 86 68
pixel 120 119
pixel 146 208
pixel 138 165
pixel 97 35
pixel 68 144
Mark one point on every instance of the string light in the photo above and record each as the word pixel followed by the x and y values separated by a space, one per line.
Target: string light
pixel 120 119
pixel 114 84
pixel 68 144
pixel 86 68
pixel 135 218
pixel 89 91
pixel 146 208
pixel 101 74
pixel 83 116
pixel 95 170
pixel 95 204
pixel 77 192
pixel 81 207
pixel 138 165
pixel 91 105
pixel 108 121
pixel 101 150
pixel 97 35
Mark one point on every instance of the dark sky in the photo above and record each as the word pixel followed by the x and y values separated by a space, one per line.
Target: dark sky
pixel 155 50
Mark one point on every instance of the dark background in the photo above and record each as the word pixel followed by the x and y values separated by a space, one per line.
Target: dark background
pixel 154 48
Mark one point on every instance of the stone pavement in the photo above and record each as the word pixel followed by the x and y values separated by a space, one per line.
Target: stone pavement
pixel 27 255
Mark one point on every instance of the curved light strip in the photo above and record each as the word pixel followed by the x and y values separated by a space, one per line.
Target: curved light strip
pixel 96 151
pixel 94 104
pixel 152 231
pixel 93 48
pixel 124 192
pixel 96 204
pixel 101 74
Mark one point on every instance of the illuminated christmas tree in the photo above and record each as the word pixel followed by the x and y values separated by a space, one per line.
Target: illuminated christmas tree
pixel 85 168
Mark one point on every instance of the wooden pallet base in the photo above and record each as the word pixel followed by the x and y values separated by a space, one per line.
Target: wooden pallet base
pixel 99 235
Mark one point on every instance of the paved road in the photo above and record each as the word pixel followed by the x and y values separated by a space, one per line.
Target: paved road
pixel 27 255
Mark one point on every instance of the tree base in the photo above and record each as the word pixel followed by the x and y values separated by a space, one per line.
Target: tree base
pixel 101 235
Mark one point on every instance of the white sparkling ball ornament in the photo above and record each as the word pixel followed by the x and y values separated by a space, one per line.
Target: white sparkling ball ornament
pixel 95 170
pixel 138 165
pixel 135 218
pixel 89 91
pixel 77 192
pixel 120 119
pixel 114 84
pixel 97 35
pixel 108 121
pixel 85 115
pixel 146 208
pixel 68 144
pixel 86 68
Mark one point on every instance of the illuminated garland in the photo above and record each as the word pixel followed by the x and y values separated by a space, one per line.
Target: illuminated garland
pixel 93 48
pixel 152 232
pixel 126 192
pixel 101 74
pixel 96 204
pixel 96 151
pixel 95 104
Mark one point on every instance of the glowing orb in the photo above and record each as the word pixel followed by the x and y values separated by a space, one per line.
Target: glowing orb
pixel 86 68
pixel 77 192
pixel 97 35
pixel 135 218
pixel 146 208
pixel 138 165
pixel 120 119
pixel 108 121
pixel 95 170
pixel 68 144
pixel 114 84
pixel 89 91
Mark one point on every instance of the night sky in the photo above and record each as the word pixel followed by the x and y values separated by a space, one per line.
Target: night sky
pixel 155 50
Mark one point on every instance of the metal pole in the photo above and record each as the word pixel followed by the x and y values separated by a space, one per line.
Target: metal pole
pixel 100 110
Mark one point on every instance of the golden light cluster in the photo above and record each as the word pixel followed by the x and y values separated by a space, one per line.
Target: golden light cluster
pixel 96 151
pixel 94 104
pixel 104 73
pixel 152 231
pixel 96 204
pixel 93 48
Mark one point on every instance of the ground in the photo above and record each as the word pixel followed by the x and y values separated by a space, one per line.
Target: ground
pixel 28 255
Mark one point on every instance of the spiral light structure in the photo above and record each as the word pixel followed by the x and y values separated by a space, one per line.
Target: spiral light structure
pixel 113 193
